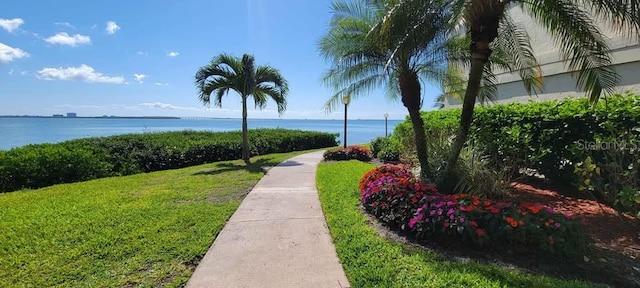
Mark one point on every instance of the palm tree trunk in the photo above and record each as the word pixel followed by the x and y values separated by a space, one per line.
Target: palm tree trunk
pixel 421 143
pixel 245 131
pixel 410 90
pixel 479 59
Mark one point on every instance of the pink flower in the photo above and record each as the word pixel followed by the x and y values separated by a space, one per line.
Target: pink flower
pixel 412 222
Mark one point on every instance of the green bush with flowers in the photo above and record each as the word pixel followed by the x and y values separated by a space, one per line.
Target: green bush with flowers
pixel 394 196
pixel 354 152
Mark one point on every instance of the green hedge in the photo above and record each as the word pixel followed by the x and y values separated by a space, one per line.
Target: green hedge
pixel 40 165
pixel 552 137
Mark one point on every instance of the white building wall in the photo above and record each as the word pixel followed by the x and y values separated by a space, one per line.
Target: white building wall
pixel 559 82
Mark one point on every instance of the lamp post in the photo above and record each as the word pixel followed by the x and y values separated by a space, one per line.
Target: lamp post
pixel 386 116
pixel 345 100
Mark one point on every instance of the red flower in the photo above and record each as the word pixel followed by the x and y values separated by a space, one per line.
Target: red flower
pixel 535 208
pixel 512 222
pixel 480 232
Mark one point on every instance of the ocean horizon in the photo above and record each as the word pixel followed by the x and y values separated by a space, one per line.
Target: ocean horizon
pixel 24 130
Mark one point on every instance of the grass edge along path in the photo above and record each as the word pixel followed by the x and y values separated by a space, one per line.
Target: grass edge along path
pixel 370 260
pixel 146 230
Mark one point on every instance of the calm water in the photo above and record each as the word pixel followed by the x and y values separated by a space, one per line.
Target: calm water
pixel 16 132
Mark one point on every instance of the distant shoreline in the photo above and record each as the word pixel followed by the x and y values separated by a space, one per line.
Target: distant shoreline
pixel 92 117
pixel 176 118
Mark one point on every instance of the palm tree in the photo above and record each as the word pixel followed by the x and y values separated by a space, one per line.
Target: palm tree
pixel 365 54
pixel 226 72
pixel 571 24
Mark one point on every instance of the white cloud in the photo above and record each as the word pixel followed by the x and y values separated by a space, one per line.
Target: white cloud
pixel 65 39
pixel 8 53
pixel 23 73
pixel 142 53
pixel 173 54
pixel 11 24
pixel 11 72
pixel 161 84
pixel 112 28
pixel 82 73
pixel 139 77
pixel 65 24
pixel 161 105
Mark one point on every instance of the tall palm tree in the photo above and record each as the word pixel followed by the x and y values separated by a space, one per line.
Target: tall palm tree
pixel 570 22
pixel 226 72
pixel 572 25
pixel 365 55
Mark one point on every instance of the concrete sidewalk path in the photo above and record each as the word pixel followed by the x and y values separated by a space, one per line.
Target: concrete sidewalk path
pixel 278 237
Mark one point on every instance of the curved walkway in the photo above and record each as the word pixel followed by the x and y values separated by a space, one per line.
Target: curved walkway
pixel 278 237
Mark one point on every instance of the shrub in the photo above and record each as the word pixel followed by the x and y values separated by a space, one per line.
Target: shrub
pixel 386 149
pixel 551 138
pixel 399 200
pixel 47 164
pixel 40 165
pixel 487 222
pixel 392 194
pixel 355 152
pixel 377 144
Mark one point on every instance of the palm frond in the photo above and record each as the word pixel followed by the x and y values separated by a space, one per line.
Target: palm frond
pixel 488 87
pixel 262 92
pixel 226 73
pixel 354 90
pixel 454 84
pixel 370 41
pixel 582 44
pixel 624 15
pixel 514 47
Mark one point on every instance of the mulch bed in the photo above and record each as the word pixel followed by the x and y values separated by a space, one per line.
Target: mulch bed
pixel 616 236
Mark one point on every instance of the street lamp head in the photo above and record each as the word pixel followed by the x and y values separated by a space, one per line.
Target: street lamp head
pixel 386 115
pixel 346 99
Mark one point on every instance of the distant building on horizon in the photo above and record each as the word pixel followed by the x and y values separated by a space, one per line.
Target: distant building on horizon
pixel 72 115
pixel 558 81
pixel 58 115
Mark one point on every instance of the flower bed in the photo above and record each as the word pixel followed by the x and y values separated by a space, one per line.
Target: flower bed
pixel 394 196
pixel 355 152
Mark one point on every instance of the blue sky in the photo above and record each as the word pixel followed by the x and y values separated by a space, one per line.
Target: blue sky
pixel 138 58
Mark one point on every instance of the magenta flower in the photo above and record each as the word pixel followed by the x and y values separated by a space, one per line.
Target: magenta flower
pixel 412 222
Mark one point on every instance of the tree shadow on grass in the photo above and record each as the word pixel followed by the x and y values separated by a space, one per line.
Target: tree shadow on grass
pixel 261 165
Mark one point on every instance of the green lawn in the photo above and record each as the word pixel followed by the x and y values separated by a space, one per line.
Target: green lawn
pixel 143 230
pixel 370 260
